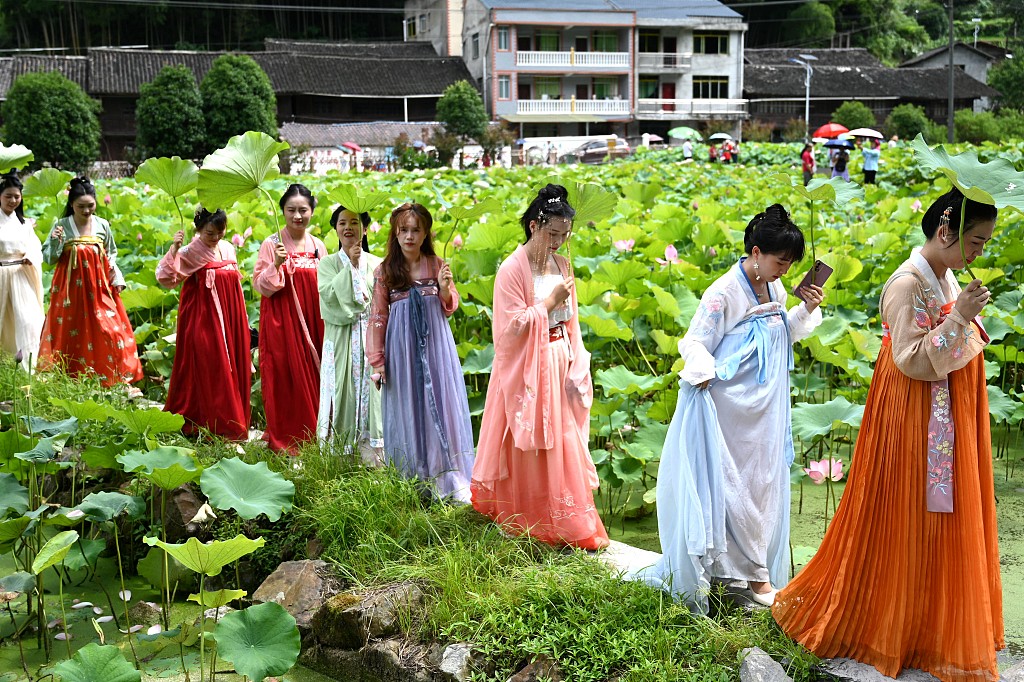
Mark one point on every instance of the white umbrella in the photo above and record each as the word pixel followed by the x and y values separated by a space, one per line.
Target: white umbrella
pixel 866 132
pixel 720 136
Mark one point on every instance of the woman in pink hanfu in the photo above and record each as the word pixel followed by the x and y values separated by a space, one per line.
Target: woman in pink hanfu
pixel 533 470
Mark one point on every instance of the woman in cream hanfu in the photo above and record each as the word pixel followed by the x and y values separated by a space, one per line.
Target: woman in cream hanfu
pixel 21 277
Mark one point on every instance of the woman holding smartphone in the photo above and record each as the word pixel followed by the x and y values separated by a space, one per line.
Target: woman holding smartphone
pixel 723 490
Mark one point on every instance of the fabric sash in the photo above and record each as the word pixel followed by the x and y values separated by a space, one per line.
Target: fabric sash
pixel 211 284
pixel 421 369
pixel 290 270
pixel 71 248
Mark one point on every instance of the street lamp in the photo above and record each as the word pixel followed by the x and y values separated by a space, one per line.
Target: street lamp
pixel 804 61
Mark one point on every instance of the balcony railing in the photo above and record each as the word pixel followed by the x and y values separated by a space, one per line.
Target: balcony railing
pixel 690 108
pixel 599 107
pixel 660 61
pixel 573 59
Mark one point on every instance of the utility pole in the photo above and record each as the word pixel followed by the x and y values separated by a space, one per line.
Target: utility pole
pixel 949 117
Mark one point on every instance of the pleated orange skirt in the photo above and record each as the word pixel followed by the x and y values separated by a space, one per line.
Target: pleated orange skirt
pixel 892 584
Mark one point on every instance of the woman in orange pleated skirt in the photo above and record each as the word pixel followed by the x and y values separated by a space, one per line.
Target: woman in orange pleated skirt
pixel 908 573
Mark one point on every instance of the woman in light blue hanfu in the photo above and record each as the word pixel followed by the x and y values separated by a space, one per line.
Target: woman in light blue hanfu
pixel 723 485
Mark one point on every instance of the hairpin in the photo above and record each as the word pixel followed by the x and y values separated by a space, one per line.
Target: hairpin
pixel 554 200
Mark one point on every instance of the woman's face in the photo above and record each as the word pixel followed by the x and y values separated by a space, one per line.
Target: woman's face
pixel 84 206
pixel 350 229
pixel 9 199
pixel 211 235
pixel 551 234
pixel 772 265
pixel 297 212
pixel 410 235
pixel 974 244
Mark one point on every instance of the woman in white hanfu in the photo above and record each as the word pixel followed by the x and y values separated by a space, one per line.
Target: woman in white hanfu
pixel 723 483
pixel 21 276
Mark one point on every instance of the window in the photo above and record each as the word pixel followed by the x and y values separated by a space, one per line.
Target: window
pixel 504 87
pixel 476 46
pixel 711 43
pixel 423 23
pixel 606 88
pixel 547 87
pixel 547 41
pixel 648 88
pixel 503 38
pixel 606 41
pixel 410 27
pixel 650 41
pixel 710 87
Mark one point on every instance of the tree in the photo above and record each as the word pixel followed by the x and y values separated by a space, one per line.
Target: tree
pixel 461 110
pixel 53 117
pixel 975 128
pixel 237 98
pixel 854 114
pixel 907 120
pixel 811 23
pixel 493 138
pixel 169 115
pixel 1008 78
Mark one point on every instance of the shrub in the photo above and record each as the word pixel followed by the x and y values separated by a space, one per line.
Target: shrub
pixel 169 116
pixel 461 110
pixel 757 131
pixel 237 97
pixel 975 128
pixel 907 120
pixel 1011 124
pixel 795 130
pixel 53 117
pixel 854 115
pixel 1008 78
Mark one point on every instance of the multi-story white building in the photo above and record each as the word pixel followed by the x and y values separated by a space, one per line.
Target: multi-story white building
pixel 570 67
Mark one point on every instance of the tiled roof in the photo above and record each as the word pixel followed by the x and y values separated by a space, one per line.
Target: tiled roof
pixel 945 50
pixel 375 134
pixel 845 82
pixel 390 50
pixel 854 56
pixel 73 68
pixel 5 73
pixel 122 72
pixel 645 9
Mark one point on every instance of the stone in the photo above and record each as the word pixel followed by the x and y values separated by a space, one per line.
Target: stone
pixel 217 613
pixel 145 613
pixel 542 669
pixel 179 510
pixel 849 669
pixel 456 663
pixel 1015 673
pixel 350 620
pixel 758 666
pixel 626 559
pixel 389 660
pixel 301 587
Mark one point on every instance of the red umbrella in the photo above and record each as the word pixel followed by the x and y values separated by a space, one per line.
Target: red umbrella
pixel 356 148
pixel 830 130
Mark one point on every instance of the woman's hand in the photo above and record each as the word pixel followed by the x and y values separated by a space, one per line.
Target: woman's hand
pixel 702 386
pixel 179 237
pixel 354 252
pixel 972 299
pixel 58 232
pixel 813 295
pixel 444 283
pixel 280 255
pixel 117 288
pixel 378 378
pixel 560 293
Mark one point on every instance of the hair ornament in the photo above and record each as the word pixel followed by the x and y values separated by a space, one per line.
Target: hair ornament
pixel 554 200
pixel 944 218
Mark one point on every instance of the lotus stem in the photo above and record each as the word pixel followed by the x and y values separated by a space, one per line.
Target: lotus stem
pixel 451 233
pixel 124 601
pixel 63 613
pixel 202 630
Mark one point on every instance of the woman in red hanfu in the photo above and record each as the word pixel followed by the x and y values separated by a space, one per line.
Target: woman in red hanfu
pixel 291 329
pixel 212 370
pixel 87 329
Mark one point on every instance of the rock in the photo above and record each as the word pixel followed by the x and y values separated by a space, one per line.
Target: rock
pixel 541 669
pixel 456 662
pixel 182 506
pixel 217 613
pixel 849 669
pixel 301 587
pixel 145 613
pixel 390 660
pixel 758 666
pixel 350 620
pixel 1015 673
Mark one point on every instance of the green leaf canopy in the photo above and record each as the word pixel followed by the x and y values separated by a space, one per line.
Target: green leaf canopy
pixel 237 170
pixel 165 467
pixel 94 662
pixel 211 557
pixel 261 640
pixel 249 489
pixel 838 191
pixel 104 506
pixel 47 182
pixel 174 175
pixel 349 197
pixel 811 421
pixel 488 205
pixel 15 156
pixel 13 496
pixel 148 421
pixel 995 182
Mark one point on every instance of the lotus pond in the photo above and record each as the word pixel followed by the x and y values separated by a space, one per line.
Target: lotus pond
pixel 85 475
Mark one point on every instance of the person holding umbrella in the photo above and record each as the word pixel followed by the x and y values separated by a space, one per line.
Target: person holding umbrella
pixel 871 153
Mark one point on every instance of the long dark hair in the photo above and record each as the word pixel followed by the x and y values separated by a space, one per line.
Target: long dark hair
pixel 219 218
pixel 364 219
pixel 955 201
pixel 773 232
pixel 552 201
pixel 9 181
pixel 78 188
pixel 395 269
pixel 296 189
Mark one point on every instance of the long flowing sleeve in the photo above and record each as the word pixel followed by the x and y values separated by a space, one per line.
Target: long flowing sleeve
pixel 176 266
pixel 380 308
pixel 342 299
pixel 922 349
pixel 53 248
pixel 450 307
pixel 267 279
pixel 33 248
pixel 114 274
pixel 801 322
pixel 708 326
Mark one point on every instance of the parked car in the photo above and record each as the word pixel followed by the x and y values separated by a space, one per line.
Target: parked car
pixel 597 151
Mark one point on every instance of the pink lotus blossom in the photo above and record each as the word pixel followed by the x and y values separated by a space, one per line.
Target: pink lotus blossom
pixel 671 256
pixel 457 242
pixel 138 237
pixel 695 206
pixel 107 199
pixel 374 226
pixel 247 233
pixel 824 469
pixel 916 206
pixel 625 244
pixel 237 240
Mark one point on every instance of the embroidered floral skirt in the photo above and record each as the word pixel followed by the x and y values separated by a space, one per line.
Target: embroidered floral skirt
pixel 895 585
pixel 547 493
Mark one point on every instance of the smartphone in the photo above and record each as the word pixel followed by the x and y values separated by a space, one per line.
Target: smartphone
pixel 817 275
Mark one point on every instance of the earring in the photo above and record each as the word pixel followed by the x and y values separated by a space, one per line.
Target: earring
pixel 757 275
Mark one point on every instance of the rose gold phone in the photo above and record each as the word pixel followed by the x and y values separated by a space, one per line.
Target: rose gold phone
pixel 817 275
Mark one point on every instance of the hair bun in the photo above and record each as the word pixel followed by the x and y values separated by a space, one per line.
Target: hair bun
pixel 553 191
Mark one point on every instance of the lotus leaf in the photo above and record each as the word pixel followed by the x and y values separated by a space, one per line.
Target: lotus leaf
pixel 54 551
pixel 149 421
pixel 619 379
pixel 261 640
pixel 93 662
pixel 838 191
pixel 18 582
pixel 47 182
pixel 644 194
pixel 995 182
pixel 11 530
pixel 479 361
pixel 45 450
pixel 484 207
pixel 813 421
pixel 104 506
pixel 151 568
pixel 604 325
pixel 143 297
pixel 1001 406
pixel 592 202
pixel 249 489
pixel 174 175
pixel 237 170
pixel 210 558
pixel 103 456
pixel 619 273
pixel 165 467
pixel 629 469
pixel 86 410
pixel 349 197
pixel 15 156
pixel 44 427
pixel 217 598
pixel 13 496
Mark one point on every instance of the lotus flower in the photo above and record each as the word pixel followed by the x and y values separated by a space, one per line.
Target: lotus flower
pixel 671 256
pixel 138 237
pixel 248 232
pixel 125 595
pixel 695 206
pixel 916 206
pixel 154 630
pixel 374 226
pixel 237 240
pixel 204 514
pixel 63 636
pixel 825 469
pixel 625 244
pixel 107 199
pixel 457 241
